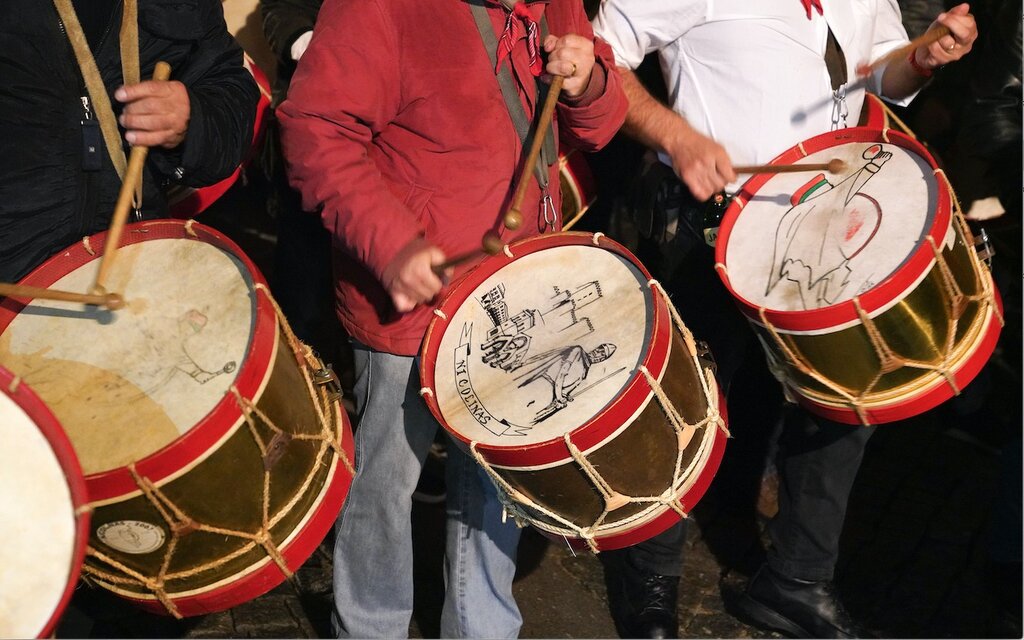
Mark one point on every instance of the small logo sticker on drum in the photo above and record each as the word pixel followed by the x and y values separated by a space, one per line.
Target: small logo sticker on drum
pixel 131 536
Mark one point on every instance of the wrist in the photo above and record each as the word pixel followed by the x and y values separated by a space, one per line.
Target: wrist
pixel 917 67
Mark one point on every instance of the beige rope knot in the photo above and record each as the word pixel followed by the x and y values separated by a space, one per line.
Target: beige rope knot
pixel 15 383
pixel 426 391
pixel 188 228
pixel 88 246
pixel 885 134
pixel 507 251
pixel 441 314
pixel 596 239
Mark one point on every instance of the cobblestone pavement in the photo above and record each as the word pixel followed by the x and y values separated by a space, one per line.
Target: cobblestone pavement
pixel 914 560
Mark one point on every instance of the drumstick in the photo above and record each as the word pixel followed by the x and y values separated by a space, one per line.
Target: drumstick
pixel 924 39
pixel 491 245
pixel 835 165
pixel 132 175
pixel 514 217
pixel 108 300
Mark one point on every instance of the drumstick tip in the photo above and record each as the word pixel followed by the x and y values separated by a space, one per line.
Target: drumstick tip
pixel 492 243
pixel 835 165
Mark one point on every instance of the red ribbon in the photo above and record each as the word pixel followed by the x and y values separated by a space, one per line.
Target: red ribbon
pixel 812 3
pixel 521 23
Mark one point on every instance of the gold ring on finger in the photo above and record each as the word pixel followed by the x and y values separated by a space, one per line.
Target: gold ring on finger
pixel 573 72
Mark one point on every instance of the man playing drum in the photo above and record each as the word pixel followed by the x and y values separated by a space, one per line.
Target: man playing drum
pixel 746 81
pixel 56 173
pixel 396 130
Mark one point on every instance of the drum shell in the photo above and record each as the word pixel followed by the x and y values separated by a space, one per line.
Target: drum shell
pixel 639 461
pixel 913 311
pixel 579 190
pixel 29 402
pixel 213 474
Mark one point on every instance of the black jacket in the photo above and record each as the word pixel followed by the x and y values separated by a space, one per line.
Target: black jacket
pixel 283 22
pixel 47 200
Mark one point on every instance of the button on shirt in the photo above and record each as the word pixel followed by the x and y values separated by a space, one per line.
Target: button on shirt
pixel 751 74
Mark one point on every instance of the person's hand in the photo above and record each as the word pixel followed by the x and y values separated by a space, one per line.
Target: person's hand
pixel 963 31
pixel 701 163
pixel 571 56
pixel 156 113
pixel 410 279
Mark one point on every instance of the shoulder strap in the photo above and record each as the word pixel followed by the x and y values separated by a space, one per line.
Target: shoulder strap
pixel 508 91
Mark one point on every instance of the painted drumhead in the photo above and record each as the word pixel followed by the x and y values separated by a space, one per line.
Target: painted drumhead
pixel 124 384
pixel 542 345
pixel 41 550
pixel 810 240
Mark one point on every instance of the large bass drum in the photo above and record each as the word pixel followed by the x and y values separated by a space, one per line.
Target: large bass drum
pixel 215 458
pixel 565 371
pixel 44 518
pixel 864 287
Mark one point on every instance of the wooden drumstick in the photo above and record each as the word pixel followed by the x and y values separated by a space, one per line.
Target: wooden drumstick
pixel 108 300
pixel 132 175
pixel 835 165
pixel 491 245
pixel 924 39
pixel 514 217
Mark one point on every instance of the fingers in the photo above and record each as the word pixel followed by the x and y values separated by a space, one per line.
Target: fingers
pixel 411 280
pixel 572 57
pixel 156 113
pixel 963 31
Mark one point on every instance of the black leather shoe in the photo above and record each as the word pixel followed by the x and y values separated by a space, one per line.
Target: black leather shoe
pixel 655 597
pixel 798 608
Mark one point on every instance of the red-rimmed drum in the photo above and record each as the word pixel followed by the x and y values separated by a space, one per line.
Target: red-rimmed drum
pixel 187 202
pixel 864 287
pixel 215 459
pixel 44 520
pixel 562 367
pixel 578 187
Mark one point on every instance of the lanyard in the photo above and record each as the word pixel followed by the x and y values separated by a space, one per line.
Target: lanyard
pixel 129 47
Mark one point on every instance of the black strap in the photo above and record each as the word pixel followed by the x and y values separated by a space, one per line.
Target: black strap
pixel 835 61
pixel 513 104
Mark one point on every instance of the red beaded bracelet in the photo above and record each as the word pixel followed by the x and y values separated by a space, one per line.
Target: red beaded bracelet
pixel 921 71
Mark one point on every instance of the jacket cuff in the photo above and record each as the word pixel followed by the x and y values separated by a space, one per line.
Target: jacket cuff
pixel 598 80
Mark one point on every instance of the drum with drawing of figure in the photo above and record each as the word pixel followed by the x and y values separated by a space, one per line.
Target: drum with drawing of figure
pixel 216 453
pixel 44 517
pixel 865 286
pixel 565 371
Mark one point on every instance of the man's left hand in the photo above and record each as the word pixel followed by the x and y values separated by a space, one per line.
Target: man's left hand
pixel 156 113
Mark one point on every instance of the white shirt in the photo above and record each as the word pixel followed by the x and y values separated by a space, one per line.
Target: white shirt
pixel 751 74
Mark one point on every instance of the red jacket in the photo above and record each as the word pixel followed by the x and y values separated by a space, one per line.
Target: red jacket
pixel 395 127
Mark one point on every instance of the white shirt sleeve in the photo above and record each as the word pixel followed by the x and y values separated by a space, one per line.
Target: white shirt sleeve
pixel 635 28
pixel 300 44
pixel 889 36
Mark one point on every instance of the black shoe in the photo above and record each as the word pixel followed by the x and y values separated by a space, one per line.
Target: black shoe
pixel 798 608
pixel 655 597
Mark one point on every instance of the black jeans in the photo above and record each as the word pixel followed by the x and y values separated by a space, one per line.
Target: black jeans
pixel 818 458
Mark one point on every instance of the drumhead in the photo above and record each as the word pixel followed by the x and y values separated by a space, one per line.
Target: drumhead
pixel 124 384
pixel 37 526
pixel 806 241
pixel 542 345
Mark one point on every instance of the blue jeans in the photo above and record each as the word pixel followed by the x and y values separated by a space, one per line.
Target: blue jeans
pixel 373 559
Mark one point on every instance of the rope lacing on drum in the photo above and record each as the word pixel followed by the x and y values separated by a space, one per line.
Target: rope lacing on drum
pixel 441 314
pixel 181 524
pixel 14 384
pixel 188 227
pixel 507 251
pixel 522 507
pixel 88 246
pixel 596 238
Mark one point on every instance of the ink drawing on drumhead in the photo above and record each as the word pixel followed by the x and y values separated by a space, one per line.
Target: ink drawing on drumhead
pixel 542 346
pixel 826 227
pixel 800 244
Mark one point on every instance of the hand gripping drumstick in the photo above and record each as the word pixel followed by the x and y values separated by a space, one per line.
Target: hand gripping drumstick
pixel 835 165
pixel 924 39
pixel 132 175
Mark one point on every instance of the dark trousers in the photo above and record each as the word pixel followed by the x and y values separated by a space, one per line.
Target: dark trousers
pixel 817 458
